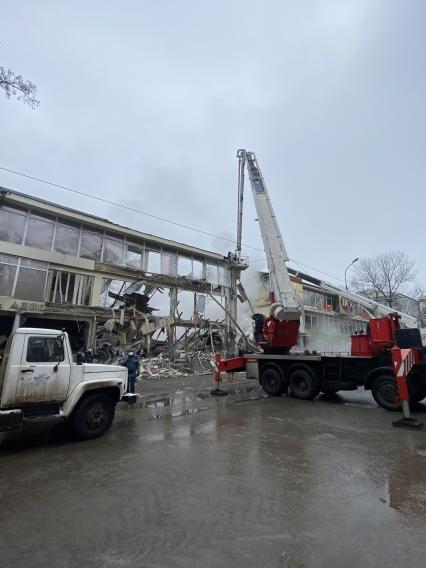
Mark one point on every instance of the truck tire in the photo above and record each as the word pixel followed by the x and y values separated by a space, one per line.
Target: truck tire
pixel 303 385
pixel 93 416
pixel 272 380
pixel 385 393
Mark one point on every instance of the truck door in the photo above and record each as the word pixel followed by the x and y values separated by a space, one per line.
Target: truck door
pixel 45 370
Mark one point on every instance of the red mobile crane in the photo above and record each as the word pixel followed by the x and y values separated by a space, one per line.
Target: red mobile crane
pixel 386 359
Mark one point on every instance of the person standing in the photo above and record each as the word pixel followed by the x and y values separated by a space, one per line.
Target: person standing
pixel 131 362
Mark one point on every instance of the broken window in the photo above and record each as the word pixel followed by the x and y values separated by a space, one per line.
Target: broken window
pixel 197 269
pixel 31 280
pixel 12 225
pixel 91 244
pixel 154 262
pixel 134 256
pixel 113 251
pixel 212 274
pixel 67 238
pixel 169 263
pixel 40 232
pixel 224 277
pixel 185 266
pixel 70 288
pixel 8 264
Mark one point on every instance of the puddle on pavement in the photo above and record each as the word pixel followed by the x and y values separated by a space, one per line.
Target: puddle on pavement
pixel 183 403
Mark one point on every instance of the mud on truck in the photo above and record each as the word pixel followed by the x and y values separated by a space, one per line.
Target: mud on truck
pixel 40 383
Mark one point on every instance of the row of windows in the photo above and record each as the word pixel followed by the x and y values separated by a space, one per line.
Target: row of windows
pixel 27 279
pixel 320 301
pixel 27 228
pixel 333 325
pixel 327 303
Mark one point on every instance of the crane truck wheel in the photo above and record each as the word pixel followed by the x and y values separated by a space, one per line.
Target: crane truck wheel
pixel 93 416
pixel 303 385
pixel 272 380
pixel 385 393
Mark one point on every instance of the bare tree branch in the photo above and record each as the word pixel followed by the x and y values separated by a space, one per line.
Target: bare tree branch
pixel 15 85
pixel 384 276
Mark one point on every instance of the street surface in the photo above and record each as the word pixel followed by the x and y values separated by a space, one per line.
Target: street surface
pixel 185 480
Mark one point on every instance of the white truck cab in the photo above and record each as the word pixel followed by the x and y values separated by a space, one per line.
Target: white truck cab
pixel 40 382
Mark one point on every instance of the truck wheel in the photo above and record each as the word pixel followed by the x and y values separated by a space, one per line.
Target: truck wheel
pixel 93 416
pixel 303 385
pixel 385 393
pixel 272 380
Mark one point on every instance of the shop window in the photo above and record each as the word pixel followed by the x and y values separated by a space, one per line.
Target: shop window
pixel 66 239
pixel 12 225
pixel 31 280
pixel 8 264
pixel 91 245
pixel 113 251
pixel 40 232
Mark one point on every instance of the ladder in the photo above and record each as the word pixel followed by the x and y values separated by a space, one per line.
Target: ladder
pixel 276 254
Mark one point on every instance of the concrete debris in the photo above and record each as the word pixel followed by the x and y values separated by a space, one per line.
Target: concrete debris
pixel 186 364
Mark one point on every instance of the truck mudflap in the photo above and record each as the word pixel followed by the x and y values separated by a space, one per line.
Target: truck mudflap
pixel 11 420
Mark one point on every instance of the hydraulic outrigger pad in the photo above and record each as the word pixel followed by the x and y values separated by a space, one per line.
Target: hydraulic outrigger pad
pixel 409 423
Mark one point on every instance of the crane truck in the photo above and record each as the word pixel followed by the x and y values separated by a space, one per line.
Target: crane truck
pixel 387 359
pixel 40 384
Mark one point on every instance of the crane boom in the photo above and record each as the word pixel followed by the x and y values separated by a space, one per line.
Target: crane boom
pixel 276 254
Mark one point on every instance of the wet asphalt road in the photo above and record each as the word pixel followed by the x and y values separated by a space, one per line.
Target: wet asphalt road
pixel 243 481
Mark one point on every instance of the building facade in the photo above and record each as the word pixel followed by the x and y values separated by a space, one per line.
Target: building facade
pixel 65 266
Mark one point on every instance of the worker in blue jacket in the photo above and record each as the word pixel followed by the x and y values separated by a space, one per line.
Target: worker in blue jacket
pixel 131 362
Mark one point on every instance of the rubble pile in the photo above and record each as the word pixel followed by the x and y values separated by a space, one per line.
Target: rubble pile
pixel 185 364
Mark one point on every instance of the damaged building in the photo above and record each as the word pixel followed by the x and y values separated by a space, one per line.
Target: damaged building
pixel 66 269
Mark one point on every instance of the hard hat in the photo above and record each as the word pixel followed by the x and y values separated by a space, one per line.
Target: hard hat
pixel 131 353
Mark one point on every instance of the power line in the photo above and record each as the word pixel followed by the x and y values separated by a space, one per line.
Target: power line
pixel 152 216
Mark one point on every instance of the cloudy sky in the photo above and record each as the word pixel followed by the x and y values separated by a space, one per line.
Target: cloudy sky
pixel 147 102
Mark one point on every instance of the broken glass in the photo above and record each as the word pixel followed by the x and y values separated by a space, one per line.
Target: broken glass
pixel 91 244
pixel 185 266
pixel 134 254
pixel 198 269
pixel 113 251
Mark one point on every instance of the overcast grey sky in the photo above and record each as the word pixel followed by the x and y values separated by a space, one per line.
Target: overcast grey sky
pixel 147 103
